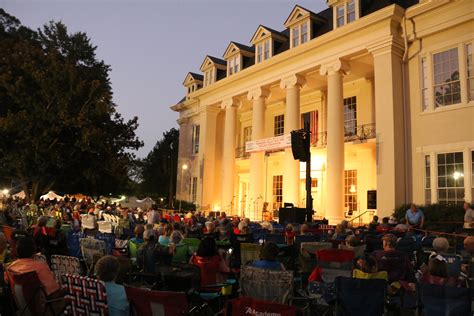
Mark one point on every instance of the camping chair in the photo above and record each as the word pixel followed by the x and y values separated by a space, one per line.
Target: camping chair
pixel 146 302
pixel 454 265
pixel 181 253
pixel 334 263
pixel 29 294
pixel 249 252
pixel 360 297
pixel 259 234
pixel 444 300
pixel 109 240
pixel 250 306
pixel 276 238
pixel 91 248
pixel 305 238
pixel 308 255
pixel 267 285
pixel 64 264
pixel 358 250
pixel 105 227
pixel 133 250
pixel 193 244
pixel 73 244
pixel 84 296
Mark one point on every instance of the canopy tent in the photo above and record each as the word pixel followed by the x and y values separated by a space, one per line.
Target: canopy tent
pixel 130 202
pixel 20 195
pixel 78 196
pixel 146 203
pixel 51 196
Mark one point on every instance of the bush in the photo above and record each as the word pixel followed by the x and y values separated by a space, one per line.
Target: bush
pixel 436 215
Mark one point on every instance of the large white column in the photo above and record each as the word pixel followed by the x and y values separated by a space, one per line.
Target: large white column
pixel 257 160
pixel 335 140
pixel 467 175
pixel 291 173
pixel 228 156
pixel 389 121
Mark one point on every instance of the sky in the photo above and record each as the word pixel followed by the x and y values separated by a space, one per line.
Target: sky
pixel 152 45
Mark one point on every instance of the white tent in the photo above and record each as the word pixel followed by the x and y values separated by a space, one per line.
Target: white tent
pixel 130 202
pixel 20 195
pixel 51 196
pixel 146 203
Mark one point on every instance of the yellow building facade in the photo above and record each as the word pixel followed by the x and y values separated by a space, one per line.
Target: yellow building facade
pixel 387 90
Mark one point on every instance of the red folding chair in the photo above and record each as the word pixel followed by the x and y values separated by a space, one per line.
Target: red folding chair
pixel 144 302
pixel 85 296
pixel 250 306
pixel 331 264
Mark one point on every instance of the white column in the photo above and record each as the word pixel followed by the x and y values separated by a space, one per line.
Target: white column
pixel 228 156
pixel 389 121
pixel 335 140
pixel 291 173
pixel 257 164
pixel 433 177
pixel 467 175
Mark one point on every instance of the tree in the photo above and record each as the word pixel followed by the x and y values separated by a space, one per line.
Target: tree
pixel 59 128
pixel 159 167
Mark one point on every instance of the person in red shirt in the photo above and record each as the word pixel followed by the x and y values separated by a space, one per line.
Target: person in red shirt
pixel 290 234
pixel 210 263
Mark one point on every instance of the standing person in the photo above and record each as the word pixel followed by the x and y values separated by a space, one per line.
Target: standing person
pixel 153 217
pixel 468 216
pixel 415 217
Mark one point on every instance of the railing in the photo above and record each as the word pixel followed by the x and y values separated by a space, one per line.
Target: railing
pixel 359 134
pixel 360 216
pixel 240 153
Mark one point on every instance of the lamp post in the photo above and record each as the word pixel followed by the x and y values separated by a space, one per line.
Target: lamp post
pixel 183 168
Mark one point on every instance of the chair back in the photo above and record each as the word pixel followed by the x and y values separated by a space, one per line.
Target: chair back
pixel 251 306
pixel 193 244
pixel 360 297
pixel 276 238
pixel 313 247
pixel 144 302
pixel 73 244
pixel 454 265
pixel 84 296
pixel 444 300
pixel 8 231
pixel 249 252
pixel 133 249
pixel 27 290
pixel 88 221
pixel 358 250
pixel 299 239
pixel 105 227
pixel 91 248
pixel 109 240
pixel 64 264
pixel 181 253
pixel 334 263
pixel 266 285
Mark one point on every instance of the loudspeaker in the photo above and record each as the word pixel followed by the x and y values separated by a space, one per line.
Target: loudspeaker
pixel 292 215
pixel 299 147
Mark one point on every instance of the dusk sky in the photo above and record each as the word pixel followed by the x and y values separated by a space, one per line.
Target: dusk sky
pixel 151 45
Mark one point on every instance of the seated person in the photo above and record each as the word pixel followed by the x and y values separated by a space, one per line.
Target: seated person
pixel 26 251
pixel 415 217
pixel 366 268
pixel 440 247
pixel 107 269
pixel 138 232
pixel 304 230
pixel 395 262
pixel 268 255
pixel 339 233
pixel 290 234
pixel 150 253
pixel 211 230
pixel 58 242
pixel 209 261
pixel 402 226
pixel 165 239
pixel 384 227
pixel 352 243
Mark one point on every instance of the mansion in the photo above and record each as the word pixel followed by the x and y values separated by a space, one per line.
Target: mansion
pixel 386 87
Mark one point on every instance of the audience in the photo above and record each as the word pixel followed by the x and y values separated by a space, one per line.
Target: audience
pixel 268 255
pixel 209 262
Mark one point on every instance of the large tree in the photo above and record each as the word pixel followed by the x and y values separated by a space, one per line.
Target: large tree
pixel 159 167
pixel 59 128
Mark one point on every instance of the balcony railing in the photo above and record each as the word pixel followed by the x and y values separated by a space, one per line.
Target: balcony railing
pixel 240 153
pixel 360 134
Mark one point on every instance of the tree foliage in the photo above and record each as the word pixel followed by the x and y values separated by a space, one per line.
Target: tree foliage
pixel 59 128
pixel 159 167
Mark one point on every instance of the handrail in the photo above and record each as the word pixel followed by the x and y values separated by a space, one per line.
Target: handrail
pixel 360 215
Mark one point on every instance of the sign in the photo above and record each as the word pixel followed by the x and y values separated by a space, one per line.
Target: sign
pixel 372 199
pixel 268 144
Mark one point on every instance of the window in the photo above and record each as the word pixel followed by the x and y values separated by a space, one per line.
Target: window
pixel 304 33
pixel 279 125
pixel 350 116
pixel 259 53
pixel 195 139
pixel 311 119
pixel 472 176
pixel 351 14
pixel 350 190
pixel 340 15
pixel 234 63
pixel 277 191
pixel 314 182
pixel 247 134
pixel 194 189
pixel 427 180
pixel 266 50
pixel 447 88
pixel 450 178
pixel 424 84
pixel 470 72
pixel 296 36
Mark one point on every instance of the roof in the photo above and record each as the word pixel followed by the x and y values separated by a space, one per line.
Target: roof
pixel 217 60
pixel 197 76
pixel 298 7
pixel 244 47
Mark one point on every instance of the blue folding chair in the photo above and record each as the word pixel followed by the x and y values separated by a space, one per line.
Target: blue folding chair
pixel 444 300
pixel 109 240
pixel 276 238
pixel 360 297
pixel 73 245
pixel 305 238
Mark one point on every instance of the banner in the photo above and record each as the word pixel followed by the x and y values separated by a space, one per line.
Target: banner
pixel 268 144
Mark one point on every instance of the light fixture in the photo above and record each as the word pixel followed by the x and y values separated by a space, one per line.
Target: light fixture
pixel 185 167
pixel 123 197
pixel 457 175
pixel 5 192
pixel 353 188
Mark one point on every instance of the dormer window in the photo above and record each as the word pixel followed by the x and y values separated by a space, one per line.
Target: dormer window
pixel 346 12
pixel 213 69
pixel 299 34
pixel 234 64
pixel 263 51
pixel 192 83
pixel 209 77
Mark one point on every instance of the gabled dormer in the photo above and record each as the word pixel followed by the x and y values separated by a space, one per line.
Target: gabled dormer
pixel 344 11
pixel 192 82
pixel 238 57
pixel 213 69
pixel 267 43
pixel 302 24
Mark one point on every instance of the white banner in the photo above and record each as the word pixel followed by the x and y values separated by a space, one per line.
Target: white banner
pixel 268 144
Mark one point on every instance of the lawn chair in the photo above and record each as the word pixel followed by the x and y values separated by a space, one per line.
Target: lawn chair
pixel 266 285
pixel 305 239
pixel 181 253
pixel 145 302
pixel 109 240
pixel 250 306
pixel 276 238
pixel 334 263
pixel 444 300
pixel 193 244
pixel 360 297
pixel 84 296
pixel 73 244
pixel 133 251
pixel 91 250
pixel 64 264
pixel 249 252
pixel 308 255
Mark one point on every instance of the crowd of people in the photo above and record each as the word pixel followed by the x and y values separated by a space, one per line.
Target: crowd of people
pixel 390 250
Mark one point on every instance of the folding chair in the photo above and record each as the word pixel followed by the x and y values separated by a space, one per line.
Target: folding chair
pixel 29 294
pixel 133 251
pixel 267 285
pixel 307 258
pixel 64 264
pixel 181 253
pixel 250 306
pixel 105 227
pixel 360 297
pixel 276 238
pixel 249 252
pixel 84 296
pixel 299 239
pixel 73 244
pixel 334 263
pixel 193 244
pixel 259 234
pixel 454 265
pixel 444 300
pixel 146 302
pixel 109 240
pixel 91 248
